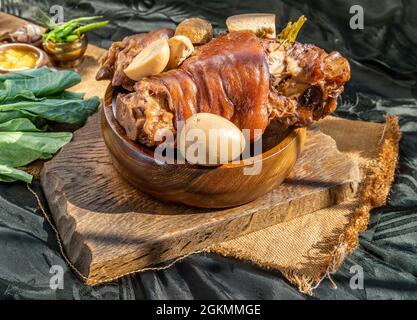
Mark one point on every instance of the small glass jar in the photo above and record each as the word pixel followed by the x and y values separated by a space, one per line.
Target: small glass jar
pixel 66 55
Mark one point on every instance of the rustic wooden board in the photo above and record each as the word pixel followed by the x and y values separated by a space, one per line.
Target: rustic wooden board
pixel 109 228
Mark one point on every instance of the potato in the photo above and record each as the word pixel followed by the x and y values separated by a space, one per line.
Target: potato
pixel 261 24
pixel 150 61
pixel 209 139
pixel 199 31
pixel 180 48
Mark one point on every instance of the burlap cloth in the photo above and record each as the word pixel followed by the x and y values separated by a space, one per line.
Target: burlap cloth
pixel 310 247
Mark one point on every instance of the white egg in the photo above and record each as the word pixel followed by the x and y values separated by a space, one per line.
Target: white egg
pixel 209 139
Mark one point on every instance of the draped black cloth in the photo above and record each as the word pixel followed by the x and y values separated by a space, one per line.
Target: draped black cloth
pixel 383 58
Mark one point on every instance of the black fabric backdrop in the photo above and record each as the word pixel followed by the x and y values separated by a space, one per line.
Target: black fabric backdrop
pixel 383 58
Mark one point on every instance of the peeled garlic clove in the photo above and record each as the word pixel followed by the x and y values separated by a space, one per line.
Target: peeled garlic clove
pixel 209 139
pixel 180 48
pixel 261 24
pixel 199 31
pixel 150 61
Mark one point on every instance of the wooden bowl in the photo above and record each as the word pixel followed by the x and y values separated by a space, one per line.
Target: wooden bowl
pixel 193 185
pixel 41 60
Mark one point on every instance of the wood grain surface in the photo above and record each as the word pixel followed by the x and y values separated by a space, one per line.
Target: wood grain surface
pixel 109 228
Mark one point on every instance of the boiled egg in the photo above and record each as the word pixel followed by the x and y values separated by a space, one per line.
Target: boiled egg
pixel 150 61
pixel 209 139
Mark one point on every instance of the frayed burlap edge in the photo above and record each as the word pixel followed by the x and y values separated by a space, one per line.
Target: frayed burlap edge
pixel 373 193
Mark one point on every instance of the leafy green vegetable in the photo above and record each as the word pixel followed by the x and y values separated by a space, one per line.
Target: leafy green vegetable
pixel 57 110
pixel 68 95
pixel 10 115
pixel 9 174
pixel 290 32
pixel 28 101
pixel 44 85
pixel 28 95
pixel 20 148
pixel 19 124
pixel 23 94
pixel 32 73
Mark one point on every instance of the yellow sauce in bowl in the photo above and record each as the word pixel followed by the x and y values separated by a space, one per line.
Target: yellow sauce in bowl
pixel 17 58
